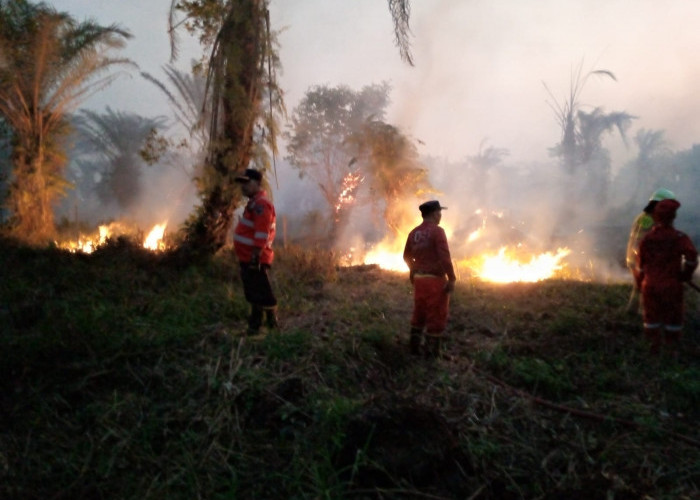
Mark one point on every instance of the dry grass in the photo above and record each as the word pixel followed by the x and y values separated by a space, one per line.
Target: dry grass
pixel 124 375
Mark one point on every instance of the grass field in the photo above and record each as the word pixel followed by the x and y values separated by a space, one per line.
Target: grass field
pixel 125 375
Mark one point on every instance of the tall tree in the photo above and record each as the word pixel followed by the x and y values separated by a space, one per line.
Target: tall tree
pixel 117 140
pixel 319 139
pixel 389 161
pixel 48 64
pixel 338 138
pixel 401 14
pixel 241 77
pixel 580 149
pixel 239 71
pixel 186 94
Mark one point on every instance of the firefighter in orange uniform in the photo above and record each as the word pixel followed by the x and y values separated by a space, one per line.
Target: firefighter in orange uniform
pixel 427 255
pixel 640 227
pixel 252 241
pixel 667 258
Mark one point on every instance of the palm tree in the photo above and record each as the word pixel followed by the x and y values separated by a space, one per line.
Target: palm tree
pixel 186 93
pixel 241 52
pixel 48 64
pixel 117 139
pixel 580 149
pixel 400 14
pixel 240 78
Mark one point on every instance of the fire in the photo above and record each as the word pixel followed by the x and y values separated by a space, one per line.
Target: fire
pixel 474 235
pixel 351 182
pixel 507 266
pixel 387 258
pixel 154 240
pixel 88 244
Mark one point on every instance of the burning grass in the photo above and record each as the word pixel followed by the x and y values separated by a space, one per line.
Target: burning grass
pixel 124 375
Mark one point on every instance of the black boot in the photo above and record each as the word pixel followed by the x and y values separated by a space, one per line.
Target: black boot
pixel 432 347
pixel 254 320
pixel 414 342
pixel 271 318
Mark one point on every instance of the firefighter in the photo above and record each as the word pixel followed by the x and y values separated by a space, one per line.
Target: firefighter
pixel 640 227
pixel 252 241
pixel 427 255
pixel 666 259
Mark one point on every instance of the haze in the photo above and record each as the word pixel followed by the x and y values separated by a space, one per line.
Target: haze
pixel 479 69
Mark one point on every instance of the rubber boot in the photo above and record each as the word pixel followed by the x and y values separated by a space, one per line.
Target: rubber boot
pixel 671 341
pixel 254 320
pixel 653 335
pixel 271 318
pixel 432 346
pixel 414 341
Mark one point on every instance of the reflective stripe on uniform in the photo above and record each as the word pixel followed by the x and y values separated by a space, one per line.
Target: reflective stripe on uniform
pixel 243 239
pixel 652 326
pixel 259 235
pixel 247 222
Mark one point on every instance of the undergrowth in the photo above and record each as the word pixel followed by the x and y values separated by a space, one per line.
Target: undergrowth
pixel 124 374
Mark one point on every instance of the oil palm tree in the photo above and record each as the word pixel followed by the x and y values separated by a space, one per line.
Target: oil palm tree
pixel 117 139
pixel 48 64
pixel 237 32
pixel 240 79
pixel 580 150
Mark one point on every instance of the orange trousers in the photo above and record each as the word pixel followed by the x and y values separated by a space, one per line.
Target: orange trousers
pixel 430 304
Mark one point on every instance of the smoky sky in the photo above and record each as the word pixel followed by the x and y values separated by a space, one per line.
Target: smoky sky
pixel 479 64
pixel 480 70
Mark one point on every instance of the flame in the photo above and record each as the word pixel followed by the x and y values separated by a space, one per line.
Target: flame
pixel 386 258
pixel 350 183
pixel 474 235
pixel 510 265
pixel 154 240
pixel 88 244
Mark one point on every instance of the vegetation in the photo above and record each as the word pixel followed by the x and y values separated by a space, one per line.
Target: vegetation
pixel 239 71
pixel 116 139
pixel 124 375
pixel 48 64
pixel 580 149
pixel 339 139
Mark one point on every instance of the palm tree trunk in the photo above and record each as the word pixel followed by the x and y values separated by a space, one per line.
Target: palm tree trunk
pixel 240 47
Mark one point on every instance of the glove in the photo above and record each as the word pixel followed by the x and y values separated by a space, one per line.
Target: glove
pixel 449 286
pixel 411 275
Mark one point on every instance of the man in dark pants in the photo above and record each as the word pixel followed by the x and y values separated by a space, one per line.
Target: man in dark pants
pixel 252 241
pixel 428 258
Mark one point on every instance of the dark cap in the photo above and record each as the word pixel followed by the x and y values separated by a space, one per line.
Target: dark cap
pixel 250 174
pixel 429 207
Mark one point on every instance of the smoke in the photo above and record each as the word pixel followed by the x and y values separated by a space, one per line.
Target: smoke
pixel 478 79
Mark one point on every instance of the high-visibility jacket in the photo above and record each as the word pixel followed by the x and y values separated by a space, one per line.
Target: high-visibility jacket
pixel 640 227
pixel 427 252
pixel 256 228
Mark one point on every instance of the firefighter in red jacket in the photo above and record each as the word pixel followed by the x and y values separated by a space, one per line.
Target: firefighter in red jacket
pixel 252 241
pixel 667 258
pixel 640 227
pixel 427 255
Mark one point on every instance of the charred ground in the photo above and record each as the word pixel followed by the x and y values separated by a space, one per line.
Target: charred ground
pixel 124 375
